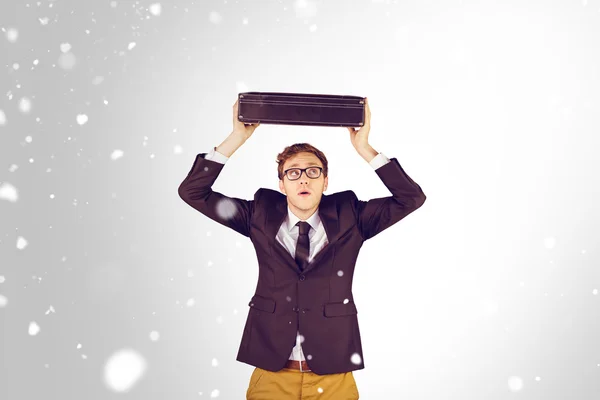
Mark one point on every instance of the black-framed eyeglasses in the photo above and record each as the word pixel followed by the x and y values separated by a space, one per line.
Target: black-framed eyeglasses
pixel 295 173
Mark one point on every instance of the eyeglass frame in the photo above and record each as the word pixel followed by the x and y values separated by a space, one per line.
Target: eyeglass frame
pixel 303 170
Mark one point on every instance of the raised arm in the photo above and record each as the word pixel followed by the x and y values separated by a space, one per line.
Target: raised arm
pixel 196 188
pixel 375 215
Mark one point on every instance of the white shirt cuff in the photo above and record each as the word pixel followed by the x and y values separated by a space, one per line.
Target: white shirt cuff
pixel 214 155
pixel 379 161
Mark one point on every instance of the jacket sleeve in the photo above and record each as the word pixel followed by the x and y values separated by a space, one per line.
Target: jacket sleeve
pixel 196 190
pixel 378 214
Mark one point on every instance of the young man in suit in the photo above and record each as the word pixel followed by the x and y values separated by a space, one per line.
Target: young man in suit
pixel 301 333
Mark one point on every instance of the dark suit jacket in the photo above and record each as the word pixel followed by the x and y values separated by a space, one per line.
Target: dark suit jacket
pixel 318 301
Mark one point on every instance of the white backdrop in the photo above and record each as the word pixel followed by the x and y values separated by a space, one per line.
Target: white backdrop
pixel 109 282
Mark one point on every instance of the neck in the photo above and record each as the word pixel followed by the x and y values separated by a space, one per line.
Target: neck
pixel 302 214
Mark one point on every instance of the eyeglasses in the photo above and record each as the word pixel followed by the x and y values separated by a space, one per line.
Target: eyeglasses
pixel 295 173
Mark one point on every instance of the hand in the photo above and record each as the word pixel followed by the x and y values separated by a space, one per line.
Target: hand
pixel 360 138
pixel 239 127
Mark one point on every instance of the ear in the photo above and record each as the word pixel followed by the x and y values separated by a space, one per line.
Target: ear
pixel 281 187
pixel 325 184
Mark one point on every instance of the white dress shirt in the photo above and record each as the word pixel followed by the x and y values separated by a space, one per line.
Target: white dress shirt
pixel 288 232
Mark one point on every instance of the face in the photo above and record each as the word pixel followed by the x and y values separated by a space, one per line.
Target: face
pixel 303 204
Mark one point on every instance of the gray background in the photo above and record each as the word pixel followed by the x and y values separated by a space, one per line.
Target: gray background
pixel 110 285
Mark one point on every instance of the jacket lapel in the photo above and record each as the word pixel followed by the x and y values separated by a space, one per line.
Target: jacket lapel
pixel 329 216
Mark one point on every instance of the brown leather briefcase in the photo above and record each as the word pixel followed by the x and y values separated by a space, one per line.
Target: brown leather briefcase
pixel 301 109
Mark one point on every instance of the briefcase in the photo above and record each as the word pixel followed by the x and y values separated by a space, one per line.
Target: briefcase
pixel 301 109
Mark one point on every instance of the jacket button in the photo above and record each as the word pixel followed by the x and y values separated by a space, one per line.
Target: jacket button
pixel 295 309
pixel 302 277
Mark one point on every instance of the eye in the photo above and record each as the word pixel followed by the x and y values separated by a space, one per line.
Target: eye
pixel 313 171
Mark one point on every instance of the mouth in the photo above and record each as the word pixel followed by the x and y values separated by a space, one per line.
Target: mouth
pixel 304 193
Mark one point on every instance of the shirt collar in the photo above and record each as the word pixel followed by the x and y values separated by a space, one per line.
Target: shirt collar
pixel 292 219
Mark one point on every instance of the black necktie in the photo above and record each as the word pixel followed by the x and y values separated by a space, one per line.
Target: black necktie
pixel 303 245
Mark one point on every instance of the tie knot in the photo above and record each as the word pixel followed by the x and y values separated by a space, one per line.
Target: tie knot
pixel 304 227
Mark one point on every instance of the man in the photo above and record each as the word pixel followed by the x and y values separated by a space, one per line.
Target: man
pixel 301 333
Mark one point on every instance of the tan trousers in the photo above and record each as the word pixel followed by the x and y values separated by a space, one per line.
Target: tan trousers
pixel 291 384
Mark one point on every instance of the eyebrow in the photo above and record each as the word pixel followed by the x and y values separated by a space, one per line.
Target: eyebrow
pixel 310 165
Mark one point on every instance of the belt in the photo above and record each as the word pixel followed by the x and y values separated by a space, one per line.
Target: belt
pixel 297 365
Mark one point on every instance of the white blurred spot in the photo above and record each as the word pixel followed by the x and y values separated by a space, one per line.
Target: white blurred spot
pixel 309 357
pixel 8 192
pixel 177 149
pixel 131 45
pixel 595 292
pixel 209 263
pixel 320 389
pixel 245 21
pixel 190 273
pixel 97 80
pixel 154 335
pixel 214 393
pixel 12 35
pixel 305 8
pixel 50 310
pixel 340 273
pixel 3 301
pixel 549 242
pixel 28 139
pixel 2 279
pixel 21 243
pixel 515 384
pixel 116 154
pixel 34 328
pixel 113 4
pixel 2 118
pixel 78 345
pixel 312 28
pixel 226 209
pixel 346 301
pixel 299 339
pixel 155 9
pixel 82 119
pixel 215 17
pixel 25 105
pixel 67 61
pixel 220 319
pixel 65 47
pixel 190 302
pixel 43 20
pixel 13 167
pixel 215 363
pixel 537 378
pixel 123 369
pixel 356 358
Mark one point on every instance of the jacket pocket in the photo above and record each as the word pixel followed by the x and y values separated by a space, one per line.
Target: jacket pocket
pixel 262 303
pixel 339 309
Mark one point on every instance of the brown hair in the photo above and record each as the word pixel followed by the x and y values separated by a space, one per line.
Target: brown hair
pixel 294 149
